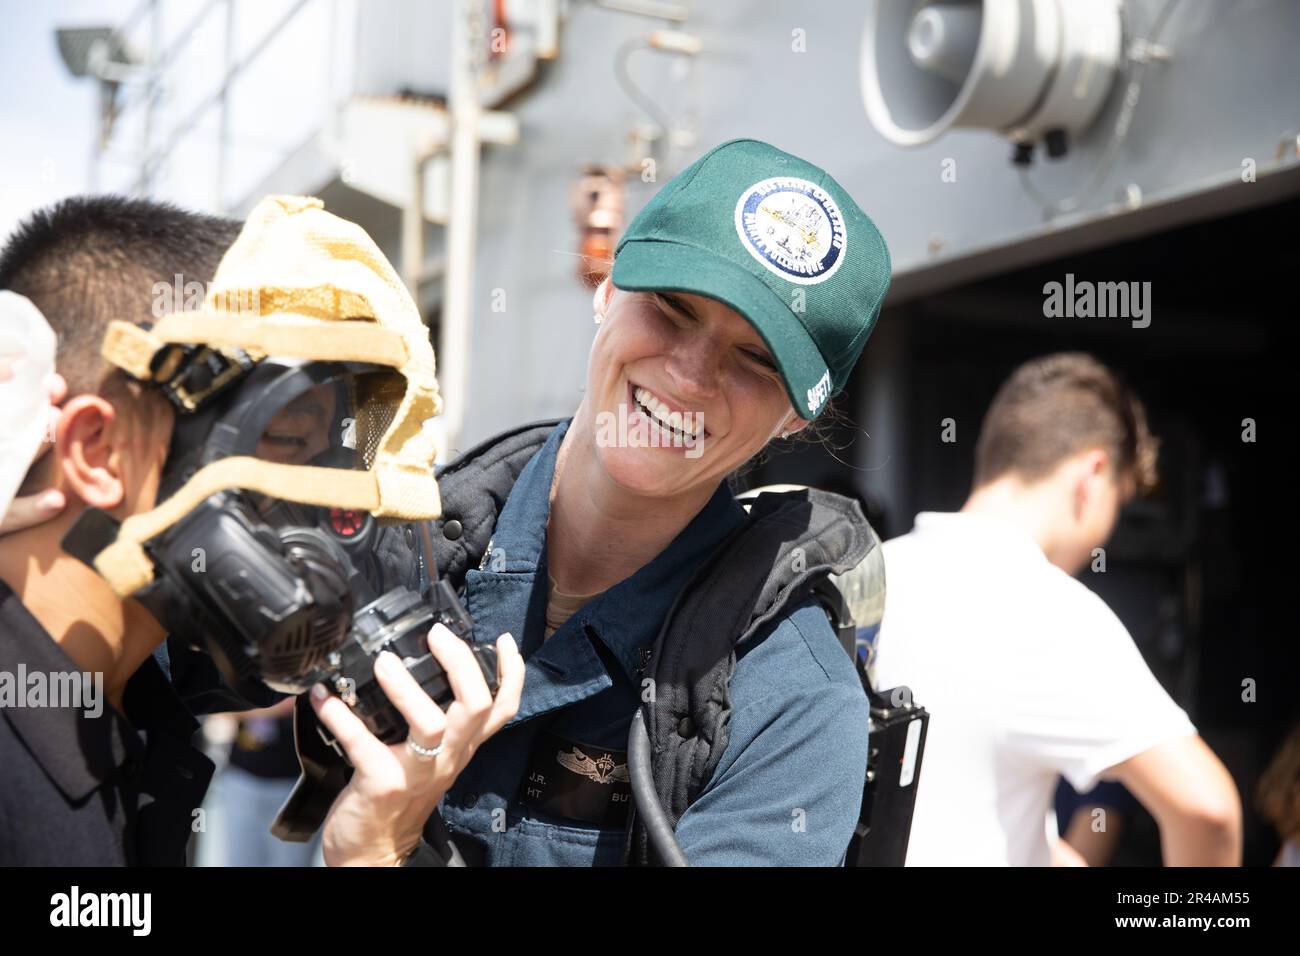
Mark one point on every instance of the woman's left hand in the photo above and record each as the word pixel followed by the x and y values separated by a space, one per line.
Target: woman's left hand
pixel 379 817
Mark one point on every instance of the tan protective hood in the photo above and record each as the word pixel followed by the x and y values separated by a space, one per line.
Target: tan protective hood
pixel 297 283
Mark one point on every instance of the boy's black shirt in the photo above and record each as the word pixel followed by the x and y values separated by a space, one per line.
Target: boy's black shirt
pixel 94 791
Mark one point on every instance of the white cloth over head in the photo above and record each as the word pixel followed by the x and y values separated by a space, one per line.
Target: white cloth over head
pixel 27 345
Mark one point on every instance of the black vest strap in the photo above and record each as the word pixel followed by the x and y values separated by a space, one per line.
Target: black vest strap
pixel 791 539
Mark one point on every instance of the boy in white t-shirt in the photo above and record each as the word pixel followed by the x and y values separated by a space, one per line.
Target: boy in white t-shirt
pixel 1026 672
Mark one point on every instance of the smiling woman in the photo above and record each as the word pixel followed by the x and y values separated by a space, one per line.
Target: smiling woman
pixel 739 301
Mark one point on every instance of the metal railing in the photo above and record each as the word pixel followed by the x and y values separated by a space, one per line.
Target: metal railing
pixel 143 97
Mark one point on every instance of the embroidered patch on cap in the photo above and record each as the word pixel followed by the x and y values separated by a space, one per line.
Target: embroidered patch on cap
pixel 793 227
pixel 819 392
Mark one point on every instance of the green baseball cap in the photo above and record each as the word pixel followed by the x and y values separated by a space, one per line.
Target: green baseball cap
pixel 777 239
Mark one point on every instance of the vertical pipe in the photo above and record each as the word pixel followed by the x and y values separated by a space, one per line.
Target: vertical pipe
pixel 150 97
pixel 223 136
pixel 454 340
pixel 413 227
pixel 97 150
pixel 331 72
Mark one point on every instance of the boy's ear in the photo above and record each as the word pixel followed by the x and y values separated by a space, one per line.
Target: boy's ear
pixel 87 443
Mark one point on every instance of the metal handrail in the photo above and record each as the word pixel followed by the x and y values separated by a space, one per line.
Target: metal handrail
pixel 157 66
pixel 186 34
pixel 183 127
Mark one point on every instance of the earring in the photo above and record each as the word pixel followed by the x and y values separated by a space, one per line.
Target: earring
pixel 598 317
pixel 785 434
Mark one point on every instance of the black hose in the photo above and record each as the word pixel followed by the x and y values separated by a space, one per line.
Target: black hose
pixel 657 826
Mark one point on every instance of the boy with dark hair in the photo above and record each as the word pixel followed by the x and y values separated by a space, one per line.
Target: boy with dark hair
pixel 81 785
pixel 1028 675
pixel 94 737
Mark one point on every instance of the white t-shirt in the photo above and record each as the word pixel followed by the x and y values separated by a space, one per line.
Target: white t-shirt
pixel 1026 674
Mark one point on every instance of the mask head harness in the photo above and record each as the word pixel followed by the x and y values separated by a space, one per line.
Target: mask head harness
pixel 249 542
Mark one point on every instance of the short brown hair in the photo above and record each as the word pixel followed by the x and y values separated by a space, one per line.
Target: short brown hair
pixel 1055 406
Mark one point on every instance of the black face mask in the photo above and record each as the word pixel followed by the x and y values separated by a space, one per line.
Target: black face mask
pixel 272 588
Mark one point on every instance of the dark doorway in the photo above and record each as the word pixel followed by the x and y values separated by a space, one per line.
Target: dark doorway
pixel 1200 572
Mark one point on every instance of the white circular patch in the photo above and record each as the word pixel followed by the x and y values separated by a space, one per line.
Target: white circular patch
pixel 793 227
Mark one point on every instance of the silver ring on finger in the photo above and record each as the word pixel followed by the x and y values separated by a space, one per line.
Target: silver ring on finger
pixel 421 752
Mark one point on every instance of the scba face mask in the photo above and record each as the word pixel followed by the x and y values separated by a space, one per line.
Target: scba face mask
pixel 272 584
pixel 298 428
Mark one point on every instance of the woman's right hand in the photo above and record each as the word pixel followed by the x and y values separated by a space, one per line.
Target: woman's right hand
pixel 379 817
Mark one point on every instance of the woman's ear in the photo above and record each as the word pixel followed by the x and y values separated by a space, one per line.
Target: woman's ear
pixel 600 298
pixel 792 424
pixel 89 461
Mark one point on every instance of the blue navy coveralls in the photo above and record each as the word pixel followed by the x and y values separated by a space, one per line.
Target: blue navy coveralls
pixel 789 784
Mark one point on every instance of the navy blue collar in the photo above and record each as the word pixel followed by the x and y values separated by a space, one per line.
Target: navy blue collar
pixel 627 617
